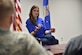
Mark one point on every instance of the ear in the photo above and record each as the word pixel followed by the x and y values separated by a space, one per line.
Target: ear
pixel 12 18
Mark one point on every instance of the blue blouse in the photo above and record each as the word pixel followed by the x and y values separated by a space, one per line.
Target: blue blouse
pixel 31 27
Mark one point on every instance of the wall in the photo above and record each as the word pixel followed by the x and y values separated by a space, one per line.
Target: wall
pixel 65 17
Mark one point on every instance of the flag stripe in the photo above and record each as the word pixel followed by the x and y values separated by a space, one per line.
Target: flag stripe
pixel 17 20
pixel 19 28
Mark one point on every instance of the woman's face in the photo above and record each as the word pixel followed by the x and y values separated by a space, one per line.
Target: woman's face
pixel 35 12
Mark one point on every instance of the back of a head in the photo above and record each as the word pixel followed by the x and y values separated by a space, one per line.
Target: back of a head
pixel 6 8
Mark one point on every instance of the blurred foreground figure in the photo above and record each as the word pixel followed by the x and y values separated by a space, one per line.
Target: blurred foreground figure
pixel 15 43
pixel 74 47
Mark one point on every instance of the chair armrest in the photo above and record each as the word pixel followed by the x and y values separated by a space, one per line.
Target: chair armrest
pixel 39 40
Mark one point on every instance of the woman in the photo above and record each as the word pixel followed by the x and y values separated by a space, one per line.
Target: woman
pixel 36 27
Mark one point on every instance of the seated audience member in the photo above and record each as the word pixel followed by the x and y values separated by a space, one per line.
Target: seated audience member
pixel 74 46
pixel 15 43
pixel 36 27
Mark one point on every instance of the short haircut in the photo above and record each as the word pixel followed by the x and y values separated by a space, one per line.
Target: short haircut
pixel 6 7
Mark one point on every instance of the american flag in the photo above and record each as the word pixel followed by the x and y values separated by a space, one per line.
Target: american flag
pixel 17 26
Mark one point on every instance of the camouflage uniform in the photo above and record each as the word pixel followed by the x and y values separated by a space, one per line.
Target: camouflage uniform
pixel 19 43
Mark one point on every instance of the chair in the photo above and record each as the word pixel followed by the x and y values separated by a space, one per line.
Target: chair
pixel 39 40
pixel 45 41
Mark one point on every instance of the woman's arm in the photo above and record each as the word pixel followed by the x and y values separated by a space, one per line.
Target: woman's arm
pixel 50 31
pixel 34 32
pixel 37 28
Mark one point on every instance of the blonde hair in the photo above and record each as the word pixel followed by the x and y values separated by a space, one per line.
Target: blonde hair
pixel 6 7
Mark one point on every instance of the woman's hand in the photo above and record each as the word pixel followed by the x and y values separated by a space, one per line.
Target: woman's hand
pixel 52 29
pixel 38 26
pixel 36 29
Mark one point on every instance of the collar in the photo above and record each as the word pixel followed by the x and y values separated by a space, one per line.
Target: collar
pixel 4 30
